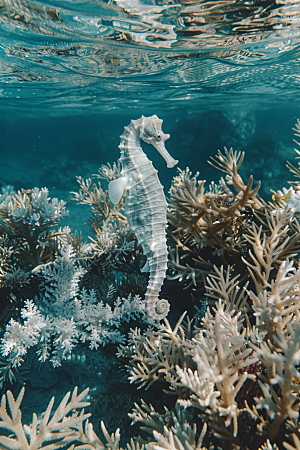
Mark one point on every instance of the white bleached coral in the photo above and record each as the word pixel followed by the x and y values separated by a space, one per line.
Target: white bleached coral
pixel 68 426
pixel 65 316
pixel 33 207
pixel 220 352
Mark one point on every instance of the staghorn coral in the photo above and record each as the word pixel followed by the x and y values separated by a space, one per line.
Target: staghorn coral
pixel 219 367
pixel 202 371
pixel 58 428
pixel 234 228
pixel 53 430
pixel 154 354
pixel 208 226
pixel 69 425
pixel 207 216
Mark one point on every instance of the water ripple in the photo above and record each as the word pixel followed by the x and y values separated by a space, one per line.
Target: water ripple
pixel 97 54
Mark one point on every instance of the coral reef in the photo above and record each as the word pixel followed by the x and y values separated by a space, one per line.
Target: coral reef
pixel 60 428
pixel 28 238
pixel 227 225
pixel 241 381
pixel 62 317
pixel 224 375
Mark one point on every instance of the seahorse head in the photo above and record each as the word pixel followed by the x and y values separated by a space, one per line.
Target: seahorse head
pixel 149 130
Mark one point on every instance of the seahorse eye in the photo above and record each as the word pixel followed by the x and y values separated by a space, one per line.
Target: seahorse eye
pixel 158 136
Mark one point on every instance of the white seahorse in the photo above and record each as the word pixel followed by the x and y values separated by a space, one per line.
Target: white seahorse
pixel 145 203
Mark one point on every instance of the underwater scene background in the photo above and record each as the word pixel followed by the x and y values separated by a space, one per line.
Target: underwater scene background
pixel 222 372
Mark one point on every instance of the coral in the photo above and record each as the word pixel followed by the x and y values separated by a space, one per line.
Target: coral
pixel 113 285
pixel 218 367
pixel 234 229
pixel 240 367
pixel 27 240
pixel 65 311
pixel 218 377
pixel 208 216
pixel 154 355
pixel 60 429
pixel 228 378
pixel 30 214
pixel 208 226
pixel 92 194
pixel 64 316
pixel 116 248
pixel 54 430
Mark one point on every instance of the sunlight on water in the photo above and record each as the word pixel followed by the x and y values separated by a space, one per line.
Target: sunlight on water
pixel 76 54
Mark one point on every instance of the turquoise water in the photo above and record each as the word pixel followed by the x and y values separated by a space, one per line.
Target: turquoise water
pixel 74 73
pixel 69 57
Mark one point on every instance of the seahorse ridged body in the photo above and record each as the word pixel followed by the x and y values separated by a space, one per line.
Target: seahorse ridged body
pixel 145 202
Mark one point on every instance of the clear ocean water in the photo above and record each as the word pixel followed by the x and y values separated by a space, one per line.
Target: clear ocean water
pixel 73 73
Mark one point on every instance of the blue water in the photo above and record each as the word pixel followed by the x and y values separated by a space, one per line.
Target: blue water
pixel 74 73
pixel 94 56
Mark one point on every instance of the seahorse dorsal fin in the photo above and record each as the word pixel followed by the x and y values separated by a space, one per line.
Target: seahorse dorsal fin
pixel 116 189
pixel 146 267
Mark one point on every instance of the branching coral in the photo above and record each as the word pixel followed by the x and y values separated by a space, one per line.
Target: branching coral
pixel 65 310
pixel 231 378
pixel 233 228
pixel 54 430
pixel 116 248
pixel 64 316
pixel 27 217
pixel 208 226
pixel 280 386
pixel 59 428
pixel 155 354
pixel 209 365
pixel 171 430
pixel 220 352
pixel 234 363
pixel 27 240
pixel 270 248
pixel 208 217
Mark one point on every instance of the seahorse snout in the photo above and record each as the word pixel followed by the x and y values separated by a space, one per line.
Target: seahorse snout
pixel 160 147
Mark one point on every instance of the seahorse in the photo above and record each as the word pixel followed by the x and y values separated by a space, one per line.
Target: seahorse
pixel 145 203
